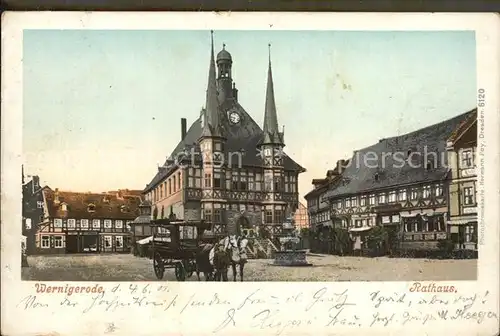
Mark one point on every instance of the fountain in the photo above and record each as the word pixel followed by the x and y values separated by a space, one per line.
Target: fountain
pixel 289 255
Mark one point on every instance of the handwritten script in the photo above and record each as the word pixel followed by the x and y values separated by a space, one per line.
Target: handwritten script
pixel 270 312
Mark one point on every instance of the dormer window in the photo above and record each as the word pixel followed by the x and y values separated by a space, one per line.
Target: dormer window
pixel 91 207
pixel 64 207
pixel 429 165
pixel 377 176
pixel 123 208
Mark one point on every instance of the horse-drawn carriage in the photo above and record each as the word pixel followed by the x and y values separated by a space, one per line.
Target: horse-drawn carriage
pixel 176 244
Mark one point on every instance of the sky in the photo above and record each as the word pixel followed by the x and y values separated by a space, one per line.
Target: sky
pixel 102 108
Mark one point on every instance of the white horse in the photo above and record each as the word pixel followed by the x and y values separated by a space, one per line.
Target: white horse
pixel 238 254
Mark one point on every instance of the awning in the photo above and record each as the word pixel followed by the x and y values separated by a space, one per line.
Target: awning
pixel 360 229
pixel 423 213
pixel 149 239
pixel 462 220
pixel 145 240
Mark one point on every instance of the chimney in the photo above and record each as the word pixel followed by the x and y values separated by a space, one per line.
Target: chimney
pixel 183 128
pixel 56 195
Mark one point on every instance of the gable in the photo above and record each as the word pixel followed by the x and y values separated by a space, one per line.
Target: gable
pixel 244 136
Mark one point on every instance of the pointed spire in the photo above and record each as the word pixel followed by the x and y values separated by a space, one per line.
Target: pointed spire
pixel 211 126
pixel 271 130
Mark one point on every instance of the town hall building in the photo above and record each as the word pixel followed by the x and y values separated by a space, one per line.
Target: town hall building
pixel 239 179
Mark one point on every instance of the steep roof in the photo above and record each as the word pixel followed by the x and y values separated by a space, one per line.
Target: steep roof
pixel 244 136
pixel 107 205
pixel 271 134
pixel 368 170
pixel 326 183
pixel 463 127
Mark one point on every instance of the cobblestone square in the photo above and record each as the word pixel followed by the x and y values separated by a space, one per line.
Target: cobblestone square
pixel 125 267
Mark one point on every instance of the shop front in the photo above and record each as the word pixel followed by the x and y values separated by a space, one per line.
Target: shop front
pixel 422 230
pixel 463 233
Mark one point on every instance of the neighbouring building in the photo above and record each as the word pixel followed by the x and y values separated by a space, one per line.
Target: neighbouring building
pixel 318 206
pixel 238 179
pixel 76 222
pixel 400 183
pixel 140 227
pixel 32 210
pixel 301 217
pixel 462 206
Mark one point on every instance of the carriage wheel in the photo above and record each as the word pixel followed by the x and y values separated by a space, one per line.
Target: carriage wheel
pixel 158 266
pixel 180 272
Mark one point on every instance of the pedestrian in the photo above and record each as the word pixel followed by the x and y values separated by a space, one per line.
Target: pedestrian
pixel 221 263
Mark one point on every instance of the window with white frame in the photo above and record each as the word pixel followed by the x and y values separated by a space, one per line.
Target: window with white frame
pixel 45 241
pixel 118 224
pixel 347 203
pixel 438 190
pixel 84 223
pixel 339 204
pixel 381 199
pixel 468 196
pixel 58 241
pixel 467 159
pixel 354 201
pixel 395 218
pixel 386 219
pixel 107 241
pixel 39 204
pixel 119 241
pixel 414 194
pixel 28 224
pixel 362 201
pixel 470 234
pixel 371 200
pixel 392 196
pixel 426 192
pixel 96 224
pixel 71 224
pixel 402 195
pixel 107 224
pixel 58 223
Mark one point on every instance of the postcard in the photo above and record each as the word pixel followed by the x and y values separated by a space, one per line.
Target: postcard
pixel 338 171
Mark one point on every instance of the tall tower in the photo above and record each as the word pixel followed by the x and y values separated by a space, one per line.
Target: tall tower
pixel 271 148
pixel 212 144
pixel 224 77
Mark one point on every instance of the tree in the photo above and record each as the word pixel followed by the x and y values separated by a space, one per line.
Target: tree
pixel 155 213
pixel 377 239
pixel 342 241
pixel 446 247
pixel 304 232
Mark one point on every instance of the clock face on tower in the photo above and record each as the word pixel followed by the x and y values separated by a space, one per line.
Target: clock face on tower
pixel 234 117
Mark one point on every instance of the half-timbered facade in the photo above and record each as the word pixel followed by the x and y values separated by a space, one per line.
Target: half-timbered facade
pixel 318 206
pixel 462 156
pixel 400 183
pixel 86 222
pixel 301 217
pixel 32 210
pixel 226 169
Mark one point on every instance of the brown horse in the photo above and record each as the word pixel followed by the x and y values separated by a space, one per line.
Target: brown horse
pixel 203 264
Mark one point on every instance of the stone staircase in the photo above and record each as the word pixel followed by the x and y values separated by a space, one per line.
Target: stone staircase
pixel 260 248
